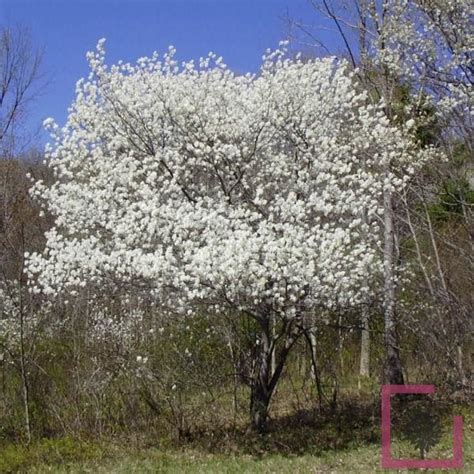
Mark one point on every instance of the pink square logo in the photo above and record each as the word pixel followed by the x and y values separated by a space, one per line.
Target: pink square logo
pixel 388 462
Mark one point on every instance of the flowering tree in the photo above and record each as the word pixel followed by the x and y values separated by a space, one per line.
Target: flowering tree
pixel 426 44
pixel 417 56
pixel 256 194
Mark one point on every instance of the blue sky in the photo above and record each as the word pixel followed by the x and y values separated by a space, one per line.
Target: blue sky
pixel 238 30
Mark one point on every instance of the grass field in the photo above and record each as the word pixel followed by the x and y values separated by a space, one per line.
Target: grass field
pixel 295 445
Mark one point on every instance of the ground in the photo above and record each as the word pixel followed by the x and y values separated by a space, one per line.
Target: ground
pixel 291 446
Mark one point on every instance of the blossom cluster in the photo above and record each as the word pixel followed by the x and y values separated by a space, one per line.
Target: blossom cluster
pixel 258 191
pixel 429 46
pixel 17 319
pixel 122 330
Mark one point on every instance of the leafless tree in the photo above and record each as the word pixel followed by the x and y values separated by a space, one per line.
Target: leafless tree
pixel 20 83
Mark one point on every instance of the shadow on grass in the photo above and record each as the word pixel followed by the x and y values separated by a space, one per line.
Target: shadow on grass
pixel 354 423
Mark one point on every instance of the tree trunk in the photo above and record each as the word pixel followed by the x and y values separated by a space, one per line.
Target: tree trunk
pixel 364 369
pixel 311 339
pixel 235 379
pixel 340 344
pixel 273 359
pixel 460 365
pixel 24 384
pixel 393 366
pixel 264 382
pixel 23 355
pixel 261 390
pixel 259 402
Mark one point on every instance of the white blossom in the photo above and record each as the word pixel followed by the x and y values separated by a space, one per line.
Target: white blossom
pixel 203 185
